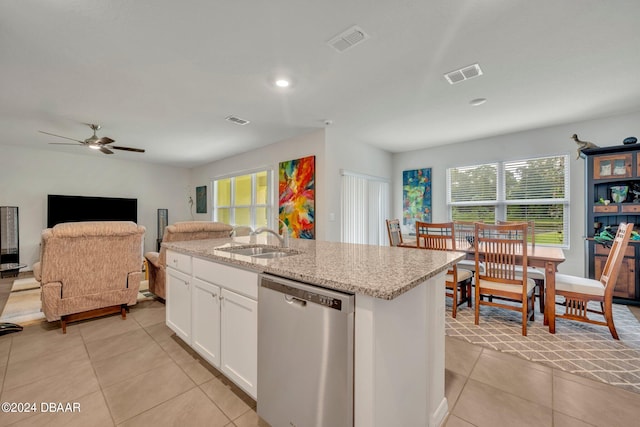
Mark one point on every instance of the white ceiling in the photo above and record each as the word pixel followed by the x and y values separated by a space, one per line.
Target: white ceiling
pixel 163 74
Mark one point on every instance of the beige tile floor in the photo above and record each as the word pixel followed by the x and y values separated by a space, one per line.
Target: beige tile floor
pixel 135 372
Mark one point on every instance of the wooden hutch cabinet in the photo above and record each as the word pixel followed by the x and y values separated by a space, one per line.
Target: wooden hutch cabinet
pixel 614 168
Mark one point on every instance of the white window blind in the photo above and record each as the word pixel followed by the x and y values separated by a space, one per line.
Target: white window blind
pixel 524 190
pixel 365 206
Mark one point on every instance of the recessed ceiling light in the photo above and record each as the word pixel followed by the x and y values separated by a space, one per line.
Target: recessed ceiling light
pixel 283 83
pixel 478 101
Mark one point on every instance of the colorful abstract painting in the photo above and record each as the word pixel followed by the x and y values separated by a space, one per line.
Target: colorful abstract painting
pixel 297 190
pixel 416 197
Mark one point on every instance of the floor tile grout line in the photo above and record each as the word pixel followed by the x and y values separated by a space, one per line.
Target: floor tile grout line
pixel 106 402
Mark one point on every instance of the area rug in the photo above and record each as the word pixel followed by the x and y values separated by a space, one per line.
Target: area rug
pixel 24 306
pixel 576 347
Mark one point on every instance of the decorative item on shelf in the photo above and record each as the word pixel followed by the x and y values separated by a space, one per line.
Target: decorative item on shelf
pixel 630 140
pixel 582 145
pixel 604 202
pixel 619 193
pixel 635 190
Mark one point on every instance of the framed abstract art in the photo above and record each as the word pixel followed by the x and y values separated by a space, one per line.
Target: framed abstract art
pixel 416 197
pixel 297 194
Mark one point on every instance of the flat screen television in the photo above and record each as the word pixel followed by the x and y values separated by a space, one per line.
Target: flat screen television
pixel 81 208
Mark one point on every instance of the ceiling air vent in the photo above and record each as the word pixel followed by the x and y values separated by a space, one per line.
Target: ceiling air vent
pixel 463 74
pixel 348 39
pixel 237 120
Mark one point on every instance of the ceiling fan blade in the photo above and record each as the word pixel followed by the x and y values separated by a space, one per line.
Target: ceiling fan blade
pixel 105 140
pixel 63 143
pixel 105 150
pixel 135 150
pixel 60 136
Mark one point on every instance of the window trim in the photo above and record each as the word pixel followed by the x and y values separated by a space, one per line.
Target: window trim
pixel 501 203
pixel 253 206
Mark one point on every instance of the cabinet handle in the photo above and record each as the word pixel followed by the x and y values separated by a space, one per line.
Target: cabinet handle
pixel 214 295
pixel 221 297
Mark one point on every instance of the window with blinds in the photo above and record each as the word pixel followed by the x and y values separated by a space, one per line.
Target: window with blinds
pixel 523 190
pixel 365 207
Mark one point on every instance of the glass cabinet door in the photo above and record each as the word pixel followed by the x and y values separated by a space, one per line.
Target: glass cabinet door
pixel 613 166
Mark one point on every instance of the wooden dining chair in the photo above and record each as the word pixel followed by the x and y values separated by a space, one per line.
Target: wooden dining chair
pixel 395 234
pixel 465 234
pixel 578 291
pixel 503 251
pixel 441 237
pixel 534 273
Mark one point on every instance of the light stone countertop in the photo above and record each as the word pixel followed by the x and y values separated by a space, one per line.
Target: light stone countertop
pixel 378 271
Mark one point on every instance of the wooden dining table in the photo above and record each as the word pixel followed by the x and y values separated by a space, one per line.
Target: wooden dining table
pixel 545 257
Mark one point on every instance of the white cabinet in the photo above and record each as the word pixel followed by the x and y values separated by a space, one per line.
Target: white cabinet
pixel 205 333
pixel 213 307
pixel 179 304
pixel 239 335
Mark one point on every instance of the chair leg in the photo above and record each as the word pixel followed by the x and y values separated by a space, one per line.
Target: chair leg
pixel 477 304
pixel 123 311
pixel 63 323
pixel 608 315
pixel 540 286
pixel 454 292
pixel 468 286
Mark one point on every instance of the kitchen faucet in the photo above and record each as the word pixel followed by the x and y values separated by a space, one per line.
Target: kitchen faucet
pixel 284 239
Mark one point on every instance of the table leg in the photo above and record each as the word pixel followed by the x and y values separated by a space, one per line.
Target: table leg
pixel 550 304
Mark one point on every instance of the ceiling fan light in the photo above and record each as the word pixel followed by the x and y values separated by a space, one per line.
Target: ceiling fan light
pixel 94 146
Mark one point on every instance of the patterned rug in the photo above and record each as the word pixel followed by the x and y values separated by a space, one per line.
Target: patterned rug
pixel 578 348
pixel 24 305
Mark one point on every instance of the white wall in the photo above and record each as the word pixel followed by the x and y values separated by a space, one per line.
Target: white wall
pixel 343 152
pixel 269 157
pixel 538 142
pixel 28 175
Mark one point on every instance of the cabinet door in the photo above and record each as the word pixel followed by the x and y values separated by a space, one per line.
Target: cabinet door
pixel 205 320
pixel 626 283
pixel 179 304
pixel 613 166
pixel 239 340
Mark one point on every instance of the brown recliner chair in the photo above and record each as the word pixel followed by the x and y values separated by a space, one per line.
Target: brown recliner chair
pixel 180 231
pixel 89 269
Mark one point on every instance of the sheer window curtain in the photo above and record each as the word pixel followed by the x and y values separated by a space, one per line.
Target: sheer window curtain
pixel 365 207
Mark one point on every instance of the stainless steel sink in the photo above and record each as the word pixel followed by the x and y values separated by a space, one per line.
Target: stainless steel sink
pixel 260 251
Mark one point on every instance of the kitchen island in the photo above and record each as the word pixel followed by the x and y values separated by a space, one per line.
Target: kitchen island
pixel 399 316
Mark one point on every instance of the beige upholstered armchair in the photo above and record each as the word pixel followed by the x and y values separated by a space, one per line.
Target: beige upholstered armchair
pixel 180 231
pixel 89 269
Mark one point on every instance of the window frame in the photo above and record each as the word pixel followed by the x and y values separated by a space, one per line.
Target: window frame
pixel 253 206
pixel 501 203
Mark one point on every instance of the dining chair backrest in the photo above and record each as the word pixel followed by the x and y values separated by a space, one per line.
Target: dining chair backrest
pixel 465 233
pixel 436 236
pixel 503 251
pixel 531 231
pixel 394 231
pixel 614 260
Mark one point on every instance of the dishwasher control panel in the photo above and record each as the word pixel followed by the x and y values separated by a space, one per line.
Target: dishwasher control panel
pixel 326 298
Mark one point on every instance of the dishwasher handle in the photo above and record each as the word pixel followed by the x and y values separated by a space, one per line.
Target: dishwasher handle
pixel 308 293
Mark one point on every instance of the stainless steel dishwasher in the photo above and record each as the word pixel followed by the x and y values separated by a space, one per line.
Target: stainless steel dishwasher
pixel 305 354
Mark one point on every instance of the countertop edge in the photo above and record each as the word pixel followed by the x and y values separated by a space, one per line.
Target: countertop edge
pixel 252 265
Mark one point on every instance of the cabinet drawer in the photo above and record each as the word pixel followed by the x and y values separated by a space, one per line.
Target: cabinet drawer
pixel 601 250
pixel 606 209
pixel 180 262
pixel 631 208
pixel 241 281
